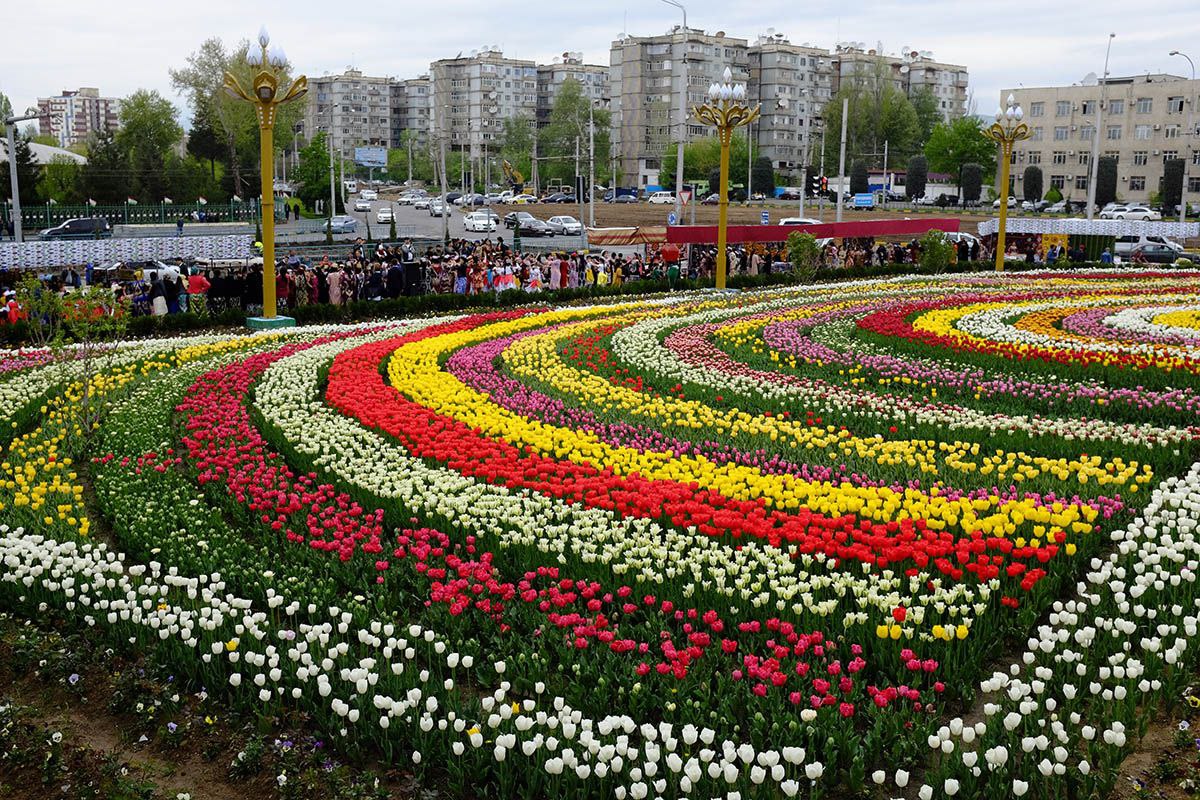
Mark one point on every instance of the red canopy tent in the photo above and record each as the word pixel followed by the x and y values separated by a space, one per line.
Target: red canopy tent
pixel 741 234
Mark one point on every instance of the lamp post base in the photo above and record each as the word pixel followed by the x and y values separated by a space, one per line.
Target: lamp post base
pixel 269 323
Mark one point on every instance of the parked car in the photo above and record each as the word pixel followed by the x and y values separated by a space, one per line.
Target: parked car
pixel 479 222
pixel 362 203
pixel 409 199
pixel 81 228
pixel 1132 212
pixel 1027 205
pixel 559 197
pixel 790 193
pixel 661 198
pixel 961 236
pixel 1012 202
pixel 799 221
pixel 1041 205
pixel 422 203
pixel 451 197
pixel 513 218
pixel 438 209
pixel 385 215
pixel 711 200
pixel 565 225
pixel 626 198
pixel 1057 208
pixel 534 227
pixel 1125 245
pixel 1162 254
pixel 522 199
pixel 343 223
pixel 369 194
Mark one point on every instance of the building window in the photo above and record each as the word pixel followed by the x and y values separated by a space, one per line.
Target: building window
pixel 1081 181
pixel 1169 155
pixel 1145 105
pixel 1037 109
pixel 1058 182
pixel 1062 108
pixel 1196 158
pixel 1116 106
pixel 1142 132
pixel 1114 132
pixel 1087 108
pixel 1171 132
pixel 1035 157
pixel 1061 133
pixel 1085 158
pixel 1086 133
pixel 1193 183
pixel 1140 158
pixel 1174 105
pixel 1137 183
pixel 1059 157
pixel 1114 155
pixel 1035 135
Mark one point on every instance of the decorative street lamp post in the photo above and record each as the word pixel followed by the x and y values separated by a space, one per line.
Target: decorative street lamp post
pixel 265 97
pixel 725 110
pixel 1006 130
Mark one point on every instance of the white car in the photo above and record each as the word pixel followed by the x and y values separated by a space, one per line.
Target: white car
pixel 409 199
pixel 422 203
pixel 385 214
pixel 799 221
pixel 438 209
pixel 662 198
pixel 479 222
pixel 565 225
pixel 1132 212
pixel 522 199
pixel 362 204
pixel 369 194
pixel 1012 202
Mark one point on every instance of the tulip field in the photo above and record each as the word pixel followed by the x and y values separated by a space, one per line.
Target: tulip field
pixel 924 538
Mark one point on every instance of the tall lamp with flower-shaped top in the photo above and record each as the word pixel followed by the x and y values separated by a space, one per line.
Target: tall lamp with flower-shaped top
pixel 726 110
pixel 1006 131
pixel 266 97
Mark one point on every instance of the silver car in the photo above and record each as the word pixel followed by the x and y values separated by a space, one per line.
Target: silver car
pixel 343 224
pixel 565 225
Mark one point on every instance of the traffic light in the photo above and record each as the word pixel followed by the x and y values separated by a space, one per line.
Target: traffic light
pixel 814 185
pixel 824 184
pixel 581 187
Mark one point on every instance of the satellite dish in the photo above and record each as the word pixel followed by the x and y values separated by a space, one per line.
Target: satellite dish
pixel 904 69
pixel 1090 79
pixel 783 103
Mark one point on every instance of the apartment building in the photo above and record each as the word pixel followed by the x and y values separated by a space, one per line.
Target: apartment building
pixel 472 95
pixel 645 78
pixel 792 83
pixel 1144 124
pixel 410 111
pixel 354 109
pixel 910 72
pixel 592 78
pixel 75 115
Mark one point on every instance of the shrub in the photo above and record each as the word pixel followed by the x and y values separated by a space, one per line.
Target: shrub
pixel 937 251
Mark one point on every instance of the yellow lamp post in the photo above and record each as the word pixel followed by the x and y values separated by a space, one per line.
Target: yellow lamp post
pixel 725 110
pixel 265 97
pixel 1006 131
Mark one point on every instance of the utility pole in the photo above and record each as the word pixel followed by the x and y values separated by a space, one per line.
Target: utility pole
pixel 332 203
pixel 842 160
pixel 11 124
pixel 1191 133
pixel 579 191
pixel 591 160
pixel 885 175
pixel 1091 195
pixel 683 93
pixel 410 160
pixel 807 120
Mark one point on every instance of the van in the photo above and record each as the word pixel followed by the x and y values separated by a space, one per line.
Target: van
pixel 662 198
pixel 81 228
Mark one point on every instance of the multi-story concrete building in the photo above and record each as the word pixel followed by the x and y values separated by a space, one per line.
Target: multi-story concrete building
pixel 472 95
pixel 353 108
pixel 792 83
pixel 910 72
pixel 410 111
pixel 645 79
pixel 593 79
pixel 75 115
pixel 1144 124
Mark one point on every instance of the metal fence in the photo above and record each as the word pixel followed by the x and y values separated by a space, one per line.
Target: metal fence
pixel 47 215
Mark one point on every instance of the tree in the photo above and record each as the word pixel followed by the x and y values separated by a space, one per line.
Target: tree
pixel 878 113
pixel 148 133
pixel 972 182
pixel 398 159
pixel 1172 184
pixel 1032 184
pixel 925 104
pixel 44 138
pixel 204 142
pixel 28 175
pixel 6 111
pixel 1106 180
pixel 1053 195
pixel 702 158
pixel 805 255
pixel 860 182
pixel 936 251
pixel 567 127
pixel 311 177
pixel 957 143
pixel 516 144
pixel 104 177
pixel 763 173
pixel 60 180
pixel 917 175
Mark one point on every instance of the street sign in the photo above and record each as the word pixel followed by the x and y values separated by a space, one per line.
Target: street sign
pixel 864 200
pixel 671 218
pixel 685 197
pixel 766 218
pixel 370 156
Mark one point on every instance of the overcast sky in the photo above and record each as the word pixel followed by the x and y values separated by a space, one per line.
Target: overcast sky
pixel 53 45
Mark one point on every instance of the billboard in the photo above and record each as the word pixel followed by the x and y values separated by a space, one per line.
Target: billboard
pixel 370 156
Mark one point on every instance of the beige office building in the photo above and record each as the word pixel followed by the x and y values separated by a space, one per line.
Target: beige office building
pixel 472 95
pixel 75 115
pixel 792 83
pixel 592 78
pixel 645 77
pixel 910 72
pixel 410 111
pixel 353 108
pixel 1144 123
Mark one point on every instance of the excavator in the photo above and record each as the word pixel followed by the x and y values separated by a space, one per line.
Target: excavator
pixel 515 179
